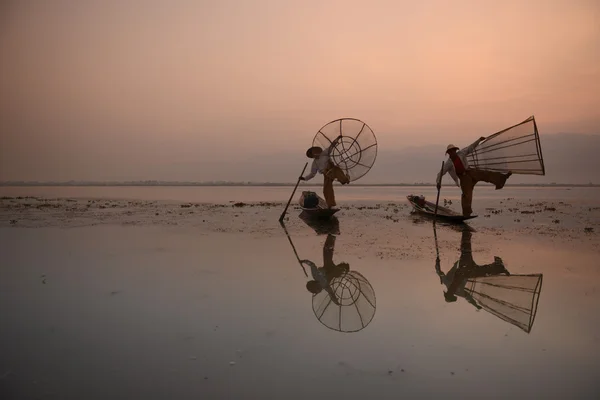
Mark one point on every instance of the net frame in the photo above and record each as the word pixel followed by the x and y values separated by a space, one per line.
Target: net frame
pixel 480 160
pixel 346 144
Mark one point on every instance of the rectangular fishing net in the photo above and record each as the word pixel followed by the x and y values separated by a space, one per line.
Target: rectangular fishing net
pixel 516 149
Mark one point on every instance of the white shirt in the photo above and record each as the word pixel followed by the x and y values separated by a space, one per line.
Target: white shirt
pixel 319 164
pixel 449 165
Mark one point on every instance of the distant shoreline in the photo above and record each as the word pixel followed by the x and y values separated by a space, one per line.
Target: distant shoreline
pixel 256 184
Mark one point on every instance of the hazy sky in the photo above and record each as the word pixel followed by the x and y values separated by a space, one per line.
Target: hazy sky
pixel 121 89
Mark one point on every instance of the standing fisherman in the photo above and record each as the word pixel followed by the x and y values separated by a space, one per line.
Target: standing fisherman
pixel 458 168
pixel 322 164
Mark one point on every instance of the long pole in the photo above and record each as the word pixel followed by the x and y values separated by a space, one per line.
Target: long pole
pixel 292 196
pixel 437 201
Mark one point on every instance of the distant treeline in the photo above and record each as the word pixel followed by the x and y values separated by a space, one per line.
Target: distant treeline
pixel 158 183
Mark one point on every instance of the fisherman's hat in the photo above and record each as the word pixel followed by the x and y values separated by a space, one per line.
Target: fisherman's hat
pixel 450 147
pixel 309 151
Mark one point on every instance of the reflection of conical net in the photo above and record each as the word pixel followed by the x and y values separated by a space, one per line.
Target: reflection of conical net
pixel 513 298
pixel 355 152
pixel 516 149
pixel 356 303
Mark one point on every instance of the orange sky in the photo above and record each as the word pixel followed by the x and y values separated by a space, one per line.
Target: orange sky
pixel 153 81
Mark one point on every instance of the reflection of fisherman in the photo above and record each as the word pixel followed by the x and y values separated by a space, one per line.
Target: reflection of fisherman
pixel 323 276
pixel 466 268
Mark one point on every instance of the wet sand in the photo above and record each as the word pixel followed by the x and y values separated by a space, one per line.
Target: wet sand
pixel 384 226
pixel 150 299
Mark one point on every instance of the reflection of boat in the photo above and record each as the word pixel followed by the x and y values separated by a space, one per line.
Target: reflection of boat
pixel 427 208
pixel 512 298
pixel 322 226
pixel 342 300
pixel 320 210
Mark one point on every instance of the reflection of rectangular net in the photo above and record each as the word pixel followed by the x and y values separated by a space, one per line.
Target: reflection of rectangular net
pixel 516 149
pixel 512 298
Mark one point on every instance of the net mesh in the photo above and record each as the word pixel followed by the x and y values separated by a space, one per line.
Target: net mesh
pixel 355 306
pixel 355 152
pixel 512 298
pixel 516 149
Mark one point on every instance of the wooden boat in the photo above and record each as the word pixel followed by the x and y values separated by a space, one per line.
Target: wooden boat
pixel 427 208
pixel 321 211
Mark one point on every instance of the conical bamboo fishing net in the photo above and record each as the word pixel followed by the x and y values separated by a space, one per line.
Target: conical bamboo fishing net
pixel 355 152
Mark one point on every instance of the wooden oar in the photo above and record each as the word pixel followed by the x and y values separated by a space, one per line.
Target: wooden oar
pixel 438 194
pixel 292 196
pixel 293 248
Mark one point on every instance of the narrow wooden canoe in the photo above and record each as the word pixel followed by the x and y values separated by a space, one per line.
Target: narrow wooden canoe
pixel 443 213
pixel 321 211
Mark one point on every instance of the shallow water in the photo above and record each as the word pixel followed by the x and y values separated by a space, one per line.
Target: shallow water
pixel 163 312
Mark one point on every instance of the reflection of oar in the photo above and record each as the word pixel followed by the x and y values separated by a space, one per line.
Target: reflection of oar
pixel 290 200
pixel 293 248
pixel 437 250
pixel 439 187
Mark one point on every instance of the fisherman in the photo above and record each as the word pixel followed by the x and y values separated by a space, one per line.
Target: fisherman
pixel 458 168
pixel 323 276
pixel 464 269
pixel 322 164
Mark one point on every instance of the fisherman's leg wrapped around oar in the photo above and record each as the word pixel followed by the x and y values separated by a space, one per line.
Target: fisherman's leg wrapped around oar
pixel 331 173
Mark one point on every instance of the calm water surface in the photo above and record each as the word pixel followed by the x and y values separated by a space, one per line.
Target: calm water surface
pixel 164 313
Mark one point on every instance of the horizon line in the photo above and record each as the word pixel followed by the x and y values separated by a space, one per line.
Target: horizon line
pixel 249 183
